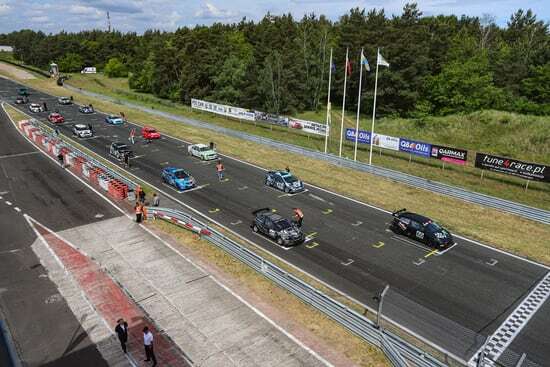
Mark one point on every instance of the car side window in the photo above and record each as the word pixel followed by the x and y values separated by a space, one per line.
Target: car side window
pixel 278 179
pixel 415 225
pixel 268 223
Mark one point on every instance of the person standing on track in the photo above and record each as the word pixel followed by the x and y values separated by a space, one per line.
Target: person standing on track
pixel 121 330
pixel 148 344
pixel 156 199
pixel 139 212
pixel 132 135
pixel 220 169
pixel 298 216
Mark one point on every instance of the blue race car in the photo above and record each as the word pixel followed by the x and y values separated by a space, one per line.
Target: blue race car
pixel 178 177
pixel 284 181
pixel 114 120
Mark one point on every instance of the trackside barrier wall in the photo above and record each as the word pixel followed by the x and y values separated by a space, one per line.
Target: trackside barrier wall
pixel 522 210
pixel 398 351
pixel 78 162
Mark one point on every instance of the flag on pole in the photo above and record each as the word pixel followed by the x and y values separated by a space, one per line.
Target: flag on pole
pixel 381 61
pixel 348 67
pixel 365 62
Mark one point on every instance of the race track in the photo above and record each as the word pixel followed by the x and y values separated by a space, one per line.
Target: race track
pixel 454 299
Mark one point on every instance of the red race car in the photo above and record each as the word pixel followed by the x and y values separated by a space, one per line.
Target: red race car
pixel 149 133
pixel 56 118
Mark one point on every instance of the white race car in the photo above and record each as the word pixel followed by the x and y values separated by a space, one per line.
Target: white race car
pixel 202 151
pixel 35 107
pixel 82 131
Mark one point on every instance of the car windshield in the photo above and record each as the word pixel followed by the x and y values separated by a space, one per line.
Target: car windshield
pixel 290 178
pixel 113 117
pixel 149 130
pixel 433 227
pixel 204 149
pixel 81 127
pixel 120 146
pixel 181 174
pixel 282 224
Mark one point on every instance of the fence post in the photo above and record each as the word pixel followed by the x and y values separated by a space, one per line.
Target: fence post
pixel 380 303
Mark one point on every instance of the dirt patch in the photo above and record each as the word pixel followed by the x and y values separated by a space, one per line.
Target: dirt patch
pixel 15 71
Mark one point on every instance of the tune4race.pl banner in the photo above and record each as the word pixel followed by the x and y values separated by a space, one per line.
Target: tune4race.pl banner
pixel 530 171
pixel 451 155
pixel 221 109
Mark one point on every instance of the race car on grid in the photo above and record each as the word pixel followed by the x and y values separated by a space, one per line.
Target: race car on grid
pixel 284 181
pixel 279 229
pixel 64 101
pixel 86 109
pixel 21 100
pixel 421 228
pixel 178 177
pixel 82 131
pixel 35 108
pixel 114 120
pixel 56 118
pixel 119 150
pixel 149 133
pixel 202 151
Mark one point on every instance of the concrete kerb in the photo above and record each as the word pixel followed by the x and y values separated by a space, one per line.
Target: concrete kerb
pixel 255 310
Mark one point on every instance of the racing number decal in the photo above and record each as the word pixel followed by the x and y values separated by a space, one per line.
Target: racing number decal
pixel 420 234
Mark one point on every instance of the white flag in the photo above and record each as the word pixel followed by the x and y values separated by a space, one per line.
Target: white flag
pixel 381 61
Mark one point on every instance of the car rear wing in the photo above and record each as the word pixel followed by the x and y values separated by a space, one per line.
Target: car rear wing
pixel 396 213
pixel 263 210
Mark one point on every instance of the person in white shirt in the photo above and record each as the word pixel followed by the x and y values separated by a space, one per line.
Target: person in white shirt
pixel 148 343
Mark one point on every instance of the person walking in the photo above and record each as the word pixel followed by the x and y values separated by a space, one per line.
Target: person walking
pixel 148 344
pixel 121 330
pixel 61 159
pixel 132 135
pixel 287 169
pixel 139 212
pixel 141 196
pixel 45 106
pixel 156 199
pixel 219 169
pixel 127 159
pixel 56 132
pixel 298 217
pixel 144 212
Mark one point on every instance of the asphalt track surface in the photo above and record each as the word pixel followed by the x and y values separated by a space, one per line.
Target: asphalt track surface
pixel 41 323
pixel 454 299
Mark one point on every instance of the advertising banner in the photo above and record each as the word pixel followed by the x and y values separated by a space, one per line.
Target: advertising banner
pixel 308 126
pixel 415 147
pixel 270 118
pixel 220 109
pixel 364 136
pixel 451 155
pixel 530 171
pixel 385 141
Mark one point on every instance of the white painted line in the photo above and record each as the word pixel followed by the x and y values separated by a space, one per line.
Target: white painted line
pixel 194 188
pixel 242 188
pixel 164 163
pixel 491 262
pixel 347 262
pixel 8 203
pixel 439 253
pixel 357 224
pixel 419 262
pixel 17 209
pixel 17 155
pixel 412 243
pixel 237 222
pixel 317 197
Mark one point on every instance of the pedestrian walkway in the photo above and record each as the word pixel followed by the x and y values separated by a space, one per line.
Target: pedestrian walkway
pixel 206 321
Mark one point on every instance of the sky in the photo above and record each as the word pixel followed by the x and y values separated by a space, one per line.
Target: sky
pixel 52 16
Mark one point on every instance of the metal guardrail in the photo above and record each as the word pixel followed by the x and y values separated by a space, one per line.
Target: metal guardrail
pixel 398 351
pixel 536 214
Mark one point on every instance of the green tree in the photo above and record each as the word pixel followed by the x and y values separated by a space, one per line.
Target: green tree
pixel 71 63
pixel 115 68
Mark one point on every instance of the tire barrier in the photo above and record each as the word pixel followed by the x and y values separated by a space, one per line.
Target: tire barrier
pixel 80 164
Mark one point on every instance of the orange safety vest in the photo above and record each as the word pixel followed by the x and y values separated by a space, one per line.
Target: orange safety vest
pixel 298 213
pixel 144 211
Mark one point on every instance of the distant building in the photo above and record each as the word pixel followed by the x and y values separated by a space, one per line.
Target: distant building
pixel 6 49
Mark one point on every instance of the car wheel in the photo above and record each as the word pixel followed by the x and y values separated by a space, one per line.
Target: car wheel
pixel 280 241
pixel 255 228
pixel 287 190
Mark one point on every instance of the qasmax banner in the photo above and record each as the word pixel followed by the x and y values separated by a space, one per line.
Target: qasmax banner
pixel 530 171
pixel 364 136
pixel 415 147
pixel 451 155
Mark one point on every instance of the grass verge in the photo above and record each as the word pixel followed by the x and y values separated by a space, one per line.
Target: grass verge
pixel 505 231
pixel 519 136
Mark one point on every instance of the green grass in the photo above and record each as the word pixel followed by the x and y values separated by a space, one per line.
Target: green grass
pixel 518 136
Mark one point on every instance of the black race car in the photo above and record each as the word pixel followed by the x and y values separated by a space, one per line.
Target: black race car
pixel 280 229
pixel 284 181
pixel 421 228
pixel 119 150
pixel 86 109
pixel 21 99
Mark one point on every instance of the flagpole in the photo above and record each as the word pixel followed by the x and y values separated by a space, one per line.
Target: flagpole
pixel 358 108
pixel 328 101
pixel 374 107
pixel 343 104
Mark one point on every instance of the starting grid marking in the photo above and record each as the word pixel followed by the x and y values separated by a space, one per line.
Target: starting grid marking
pixel 512 326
